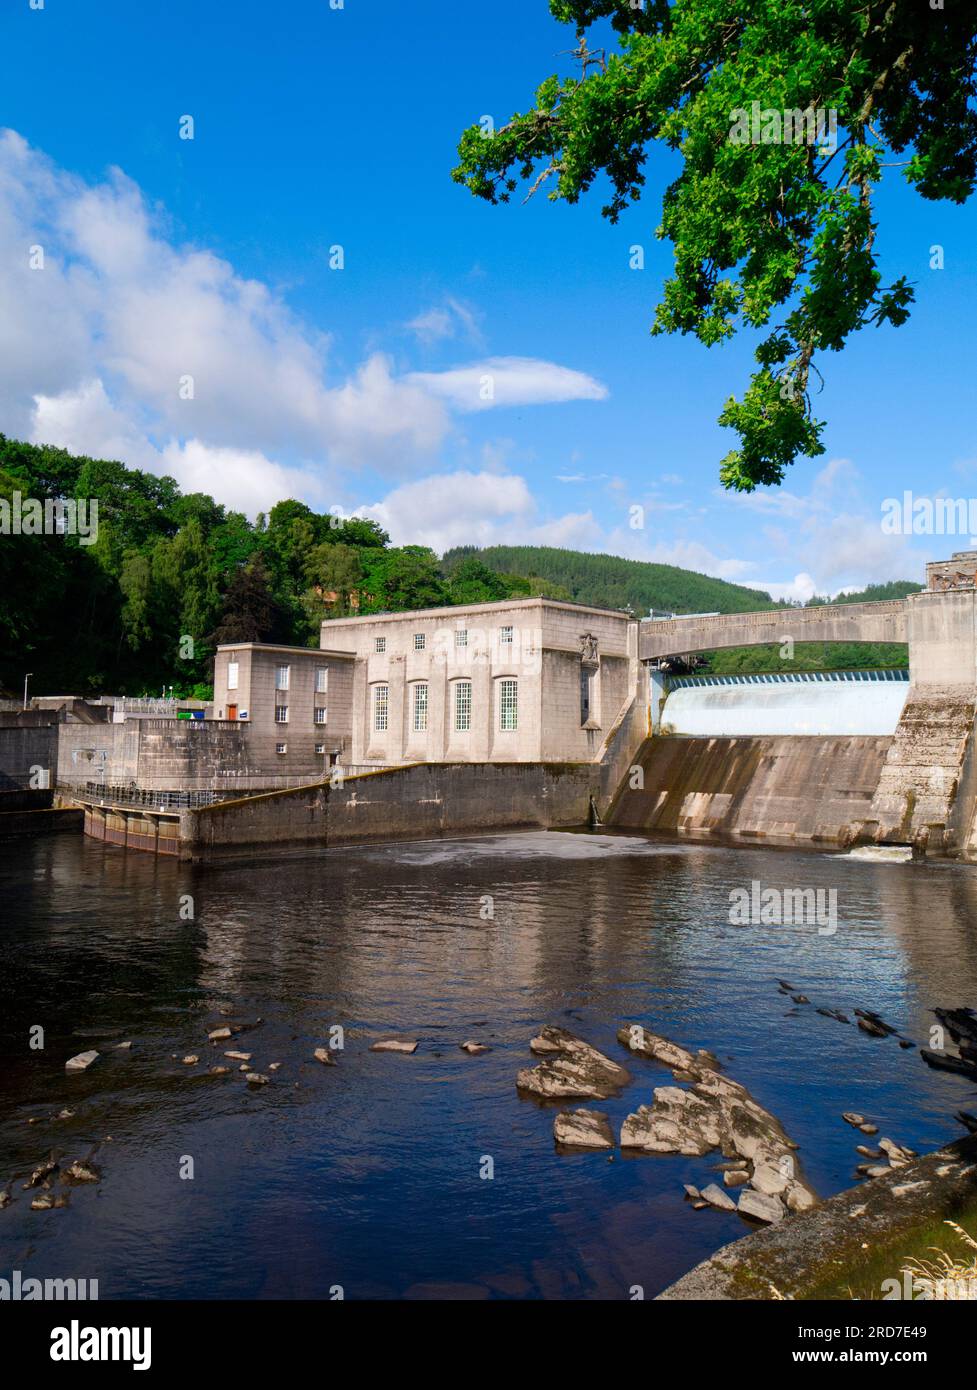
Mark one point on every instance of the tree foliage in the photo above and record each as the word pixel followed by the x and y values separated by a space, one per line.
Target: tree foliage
pixel 780 235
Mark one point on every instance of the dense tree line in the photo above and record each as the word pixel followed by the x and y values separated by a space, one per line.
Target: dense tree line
pixel 169 575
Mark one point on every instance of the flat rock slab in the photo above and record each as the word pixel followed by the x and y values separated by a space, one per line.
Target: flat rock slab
pixel 81 1062
pixel 583 1129
pixel 716 1197
pixel 760 1206
pixel 407 1045
pixel 572 1069
pixel 474 1049
pixel 238 1056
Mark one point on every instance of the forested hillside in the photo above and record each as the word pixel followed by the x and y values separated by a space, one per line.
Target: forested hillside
pixel 611 582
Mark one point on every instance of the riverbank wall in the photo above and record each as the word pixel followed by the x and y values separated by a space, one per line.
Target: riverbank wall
pixel 802 1255
pixel 419 801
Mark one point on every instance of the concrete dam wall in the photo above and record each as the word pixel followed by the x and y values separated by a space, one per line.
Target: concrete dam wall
pixel 845 703
pixel 786 789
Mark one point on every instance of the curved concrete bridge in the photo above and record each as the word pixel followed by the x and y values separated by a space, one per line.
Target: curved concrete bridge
pixel 887 621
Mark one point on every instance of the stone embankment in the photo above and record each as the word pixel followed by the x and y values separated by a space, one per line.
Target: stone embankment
pixel 795 1259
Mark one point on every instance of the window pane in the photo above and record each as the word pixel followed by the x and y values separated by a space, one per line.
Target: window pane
pixel 281 678
pixel 380 697
pixel 463 706
pixel 379 644
pixel 281 714
pixel 505 636
pixel 420 641
pixel 461 637
pixel 420 708
pixel 508 705
pixel 232 675
pixel 321 680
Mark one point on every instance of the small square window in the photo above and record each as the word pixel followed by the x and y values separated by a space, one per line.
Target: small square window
pixel 320 748
pixel 420 641
pixel 320 714
pixel 281 747
pixel 281 714
pixel 379 644
pixel 461 637
pixel 505 636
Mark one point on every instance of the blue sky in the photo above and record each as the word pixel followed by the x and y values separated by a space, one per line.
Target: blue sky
pixel 355 388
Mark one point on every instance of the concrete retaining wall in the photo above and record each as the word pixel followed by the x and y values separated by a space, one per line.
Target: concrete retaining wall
pixel 27 747
pixel 784 790
pixel 411 803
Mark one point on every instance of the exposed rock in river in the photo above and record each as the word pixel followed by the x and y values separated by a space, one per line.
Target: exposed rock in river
pixel 648 1044
pixel 716 1112
pixel 407 1045
pixel 572 1069
pixel 81 1062
pixel 583 1129
pixel 760 1207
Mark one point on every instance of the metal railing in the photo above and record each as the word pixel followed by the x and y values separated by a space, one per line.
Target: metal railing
pixel 895 673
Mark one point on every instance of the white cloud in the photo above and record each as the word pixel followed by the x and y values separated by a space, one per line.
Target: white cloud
pixel 508 381
pixel 444 321
pixel 99 350
pixel 465 508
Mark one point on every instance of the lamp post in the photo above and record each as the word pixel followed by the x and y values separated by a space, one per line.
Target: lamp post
pixel 26 679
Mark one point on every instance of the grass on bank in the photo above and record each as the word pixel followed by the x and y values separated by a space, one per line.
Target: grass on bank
pixel 939 1251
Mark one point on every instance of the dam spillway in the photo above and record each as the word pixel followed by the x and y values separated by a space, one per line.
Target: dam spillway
pixel 816 704
pixel 817 758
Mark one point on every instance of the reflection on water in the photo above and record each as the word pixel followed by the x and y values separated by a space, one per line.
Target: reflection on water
pixel 368 1175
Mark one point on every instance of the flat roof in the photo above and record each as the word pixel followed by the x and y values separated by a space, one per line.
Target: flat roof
pixel 461 609
pixel 276 647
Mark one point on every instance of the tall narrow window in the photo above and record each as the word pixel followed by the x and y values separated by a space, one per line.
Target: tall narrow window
pixel 320 714
pixel 463 706
pixel 508 705
pixel 321 680
pixel 461 637
pixel 281 678
pixel 420 708
pixel 586 677
pixel 381 700
pixel 379 644
pixel 281 714
pixel 232 675
pixel 505 636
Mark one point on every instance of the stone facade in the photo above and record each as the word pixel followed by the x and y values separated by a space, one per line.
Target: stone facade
pixel 297 702
pixel 529 680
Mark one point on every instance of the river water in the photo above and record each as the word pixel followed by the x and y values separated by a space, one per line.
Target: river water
pixel 373 1176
